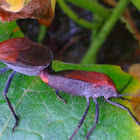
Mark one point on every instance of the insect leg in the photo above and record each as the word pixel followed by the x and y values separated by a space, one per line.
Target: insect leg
pixel 4 70
pixel 6 88
pixel 57 93
pixel 82 119
pixel 96 117
pixel 125 108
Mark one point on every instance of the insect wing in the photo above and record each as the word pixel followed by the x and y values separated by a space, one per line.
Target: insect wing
pixel 88 76
pixel 23 51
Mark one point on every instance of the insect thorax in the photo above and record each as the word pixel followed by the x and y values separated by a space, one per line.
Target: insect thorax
pixel 107 91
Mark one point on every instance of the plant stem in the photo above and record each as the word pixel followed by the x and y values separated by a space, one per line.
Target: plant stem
pixel 92 6
pixel 97 42
pixel 74 16
pixel 43 30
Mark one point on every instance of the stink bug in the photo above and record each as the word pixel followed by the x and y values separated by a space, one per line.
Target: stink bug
pixel 26 57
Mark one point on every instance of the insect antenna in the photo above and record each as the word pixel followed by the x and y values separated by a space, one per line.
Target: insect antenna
pixel 121 96
pixel 129 94
pixel 124 108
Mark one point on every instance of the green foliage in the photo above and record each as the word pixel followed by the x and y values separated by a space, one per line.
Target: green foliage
pixel 136 3
pixel 102 26
pixel 7 29
pixel 91 5
pixel 43 116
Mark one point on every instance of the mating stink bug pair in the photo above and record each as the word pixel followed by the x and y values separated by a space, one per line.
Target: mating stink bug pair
pixel 26 57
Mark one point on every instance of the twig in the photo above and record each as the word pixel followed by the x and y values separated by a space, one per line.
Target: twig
pixel 92 6
pixel 74 16
pixel 128 18
pixel 43 30
pixel 96 44
pixel 67 45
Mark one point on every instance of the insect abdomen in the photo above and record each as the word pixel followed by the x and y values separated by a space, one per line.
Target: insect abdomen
pixel 68 85
pixel 77 87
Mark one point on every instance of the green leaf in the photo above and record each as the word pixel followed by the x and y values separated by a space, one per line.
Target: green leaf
pixel 44 117
pixel 93 6
pixel 7 31
pixel 136 3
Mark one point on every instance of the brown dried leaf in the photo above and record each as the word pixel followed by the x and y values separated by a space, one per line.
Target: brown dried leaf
pixel 134 70
pixel 13 5
pixel 38 9
pixel 135 102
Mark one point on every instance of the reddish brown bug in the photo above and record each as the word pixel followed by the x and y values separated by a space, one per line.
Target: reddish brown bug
pixel 26 57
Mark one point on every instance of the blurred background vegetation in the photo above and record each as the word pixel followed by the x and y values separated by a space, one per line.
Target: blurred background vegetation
pixel 91 31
